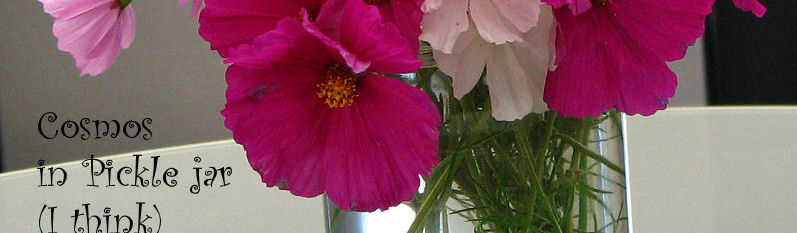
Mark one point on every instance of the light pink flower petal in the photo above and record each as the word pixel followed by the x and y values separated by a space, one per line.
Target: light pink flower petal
pixel 103 60
pixel 93 31
pixel 523 14
pixel 441 27
pixel 492 25
pixel 120 36
pixel 357 32
pixel 466 61
pixel 515 91
pixel 229 23
pixel 430 5
pixel 516 72
pixel 71 8
pixel 81 33
pixel 128 26
pixel 752 6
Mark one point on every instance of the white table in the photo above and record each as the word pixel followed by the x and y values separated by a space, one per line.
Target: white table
pixel 714 170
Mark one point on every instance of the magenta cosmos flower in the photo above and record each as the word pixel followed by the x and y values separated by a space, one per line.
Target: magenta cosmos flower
pixel 93 31
pixel 613 53
pixel 229 23
pixel 308 103
pixel 752 6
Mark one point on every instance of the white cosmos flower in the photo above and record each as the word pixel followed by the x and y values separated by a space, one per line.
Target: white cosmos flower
pixel 497 21
pixel 516 70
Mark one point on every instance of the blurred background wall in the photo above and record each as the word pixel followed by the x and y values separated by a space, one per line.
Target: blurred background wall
pixel 168 75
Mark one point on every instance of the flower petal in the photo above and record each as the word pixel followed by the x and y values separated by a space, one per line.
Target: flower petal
pixel 665 27
pixel 406 16
pixel 751 5
pixel 93 31
pixel 128 26
pixel 119 37
pixel 430 5
pixel 381 145
pixel 441 27
pixel 516 73
pixel 523 14
pixel 364 42
pixel 600 68
pixel 81 33
pixel 279 47
pixel 366 156
pixel 466 61
pixel 272 111
pixel 62 9
pixel 490 23
pixel 228 23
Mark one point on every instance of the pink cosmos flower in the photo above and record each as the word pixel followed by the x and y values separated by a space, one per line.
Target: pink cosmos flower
pixel 751 5
pixel 196 6
pixel 308 103
pixel 613 53
pixel 406 15
pixel 93 31
pixel 229 23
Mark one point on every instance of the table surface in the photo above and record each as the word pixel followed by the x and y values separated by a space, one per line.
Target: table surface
pixel 722 170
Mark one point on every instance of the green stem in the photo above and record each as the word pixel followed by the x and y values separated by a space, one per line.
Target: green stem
pixel 484 140
pixel 548 132
pixel 432 197
pixel 537 185
pixel 525 148
pixel 582 148
pixel 581 179
pixel 575 162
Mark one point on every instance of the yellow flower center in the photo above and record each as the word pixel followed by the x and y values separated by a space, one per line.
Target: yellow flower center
pixel 339 87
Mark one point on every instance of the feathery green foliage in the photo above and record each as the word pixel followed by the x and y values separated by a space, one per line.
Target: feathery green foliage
pixel 537 174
